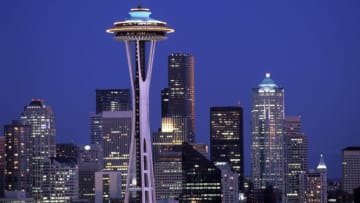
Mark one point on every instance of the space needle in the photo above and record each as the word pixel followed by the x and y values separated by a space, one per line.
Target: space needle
pixel 140 34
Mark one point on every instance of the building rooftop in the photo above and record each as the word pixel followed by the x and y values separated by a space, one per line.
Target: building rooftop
pixel 352 148
pixel 321 166
pixel 268 82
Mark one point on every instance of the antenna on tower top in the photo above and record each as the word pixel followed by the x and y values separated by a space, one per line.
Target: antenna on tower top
pixel 139 4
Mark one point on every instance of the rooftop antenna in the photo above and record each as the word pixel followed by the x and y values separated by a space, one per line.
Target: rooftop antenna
pixel 139 4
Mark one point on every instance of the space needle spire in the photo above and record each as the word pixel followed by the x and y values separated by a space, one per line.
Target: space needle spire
pixel 140 34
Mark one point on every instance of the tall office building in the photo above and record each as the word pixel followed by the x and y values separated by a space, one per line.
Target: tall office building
pixel 18 150
pixel 107 186
pixel 322 169
pixel 90 162
pixel 116 131
pixel 295 157
pixel 267 141
pixel 313 184
pixel 67 150
pixel 164 102
pixel 112 100
pixel 177 125
pixel 168 173
pixel 229 183
pixel 41 119
pixel 226 138
pixel 351 169
pixel 201 178
pixel 138 31
pixel 181 91
pixel 107 100
pixel 61 178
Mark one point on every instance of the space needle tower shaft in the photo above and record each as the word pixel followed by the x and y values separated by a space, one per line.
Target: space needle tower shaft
pixel 140 34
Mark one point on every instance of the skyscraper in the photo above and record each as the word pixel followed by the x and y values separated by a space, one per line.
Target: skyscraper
pixel 201 178
pixel 177 125
pixel 267 141
pixel 90 161
pixel 351 168
pixel 41 119
pixel 112 100
pixel 67 150
pixel 295 157
pixel 107 100
pixel 181 91
pixel 61 178
pixel 226 138
pixel 313 184
pixel 107 186
pixel 116 131
pixel 18 150
pixel 138 30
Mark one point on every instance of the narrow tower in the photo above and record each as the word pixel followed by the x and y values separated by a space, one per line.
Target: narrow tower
pixel 136 32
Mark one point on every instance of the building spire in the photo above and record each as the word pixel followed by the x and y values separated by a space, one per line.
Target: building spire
pixel 321 166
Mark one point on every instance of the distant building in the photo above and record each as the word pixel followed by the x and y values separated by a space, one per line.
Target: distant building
pixel 107 100
pixel 201 178
pixel 112 100
pixel 67 150
pixel 295 158
pixel 313 184
pixel 61 176
pixel 41 119
pixel 181 91
pixel 116 131
pixel 95 129
pixel 18 150
pixel 107 186
pixel 351 168
pixel 16 197
pixel 229 183
pixel 90 162
pixel 267 140
pixel 168 173
pixel 226 138
pixel 177 126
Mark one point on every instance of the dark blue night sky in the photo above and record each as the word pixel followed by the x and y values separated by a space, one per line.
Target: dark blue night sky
pixel 59 51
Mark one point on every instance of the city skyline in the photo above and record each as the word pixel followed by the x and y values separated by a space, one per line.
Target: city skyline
pixel 59 52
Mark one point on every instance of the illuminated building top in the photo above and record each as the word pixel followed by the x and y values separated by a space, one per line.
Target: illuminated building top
pixel 267 85
pixel 140 25
pixel 322 165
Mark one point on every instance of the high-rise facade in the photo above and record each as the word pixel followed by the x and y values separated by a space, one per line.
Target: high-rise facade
pixel 67 150
pixel 229 183
pixel 41 119
pixel 295 158
pixel 177 125
pixel 90 161
pixel 18 158
pixel 112 100
pixel 226 138
pixel 181 91
pixel 138 31
pixel 107 100
pixel 107 186
pixel 313 184
pixel 61 180
pixel 116 131
pixel 201 178
pixel 267 140
pixel 351 169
